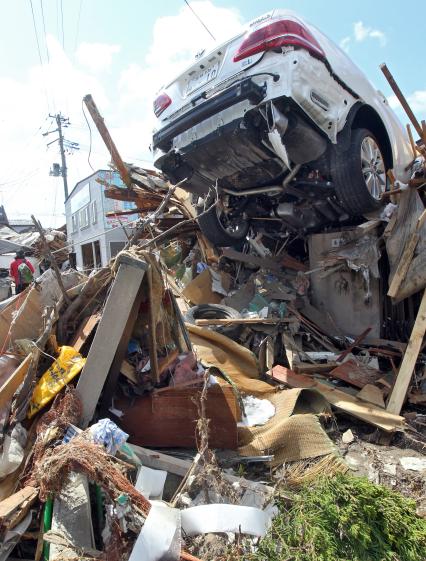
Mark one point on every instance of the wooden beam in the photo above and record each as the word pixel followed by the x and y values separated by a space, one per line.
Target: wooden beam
pixel 342 401
pixel 84 331
pixel 243 321
pixel 48 254
pixel 14 381
pixel 404 264
pixel 106 342
pixel 403 379
pixel 402 100
pixel 106 137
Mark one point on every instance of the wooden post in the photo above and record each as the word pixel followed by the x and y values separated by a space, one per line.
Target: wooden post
pixel 49 255
pixel 120 309
pixel 106 137
pixel 402 100
pixel 403 379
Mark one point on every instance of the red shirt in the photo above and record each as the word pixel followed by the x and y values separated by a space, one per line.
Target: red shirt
pixel 13 271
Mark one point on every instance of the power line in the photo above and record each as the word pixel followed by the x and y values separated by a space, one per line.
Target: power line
pixel 200 20
pixel 90 135
pixel 39 51
pixel 62 23
pixel 44 29
pixel 78 25
pixel 36 34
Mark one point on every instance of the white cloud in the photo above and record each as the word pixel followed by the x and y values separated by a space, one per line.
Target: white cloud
pixel 176 40
pixel 126 105
pixel 360 34
pixel 96 56
pixel 416 100
pixel 363 32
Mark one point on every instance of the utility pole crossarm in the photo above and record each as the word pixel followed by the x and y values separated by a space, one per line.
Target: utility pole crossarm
pixel 106 137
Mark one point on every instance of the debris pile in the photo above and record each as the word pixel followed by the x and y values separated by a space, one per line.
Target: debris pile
pixel 180 402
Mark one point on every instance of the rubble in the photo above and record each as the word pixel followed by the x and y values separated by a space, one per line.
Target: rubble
pixel 247 372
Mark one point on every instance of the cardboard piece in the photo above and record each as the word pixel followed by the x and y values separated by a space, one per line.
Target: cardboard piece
pixel 199 290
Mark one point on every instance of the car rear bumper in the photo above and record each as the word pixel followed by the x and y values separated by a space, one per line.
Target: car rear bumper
pixel 245 89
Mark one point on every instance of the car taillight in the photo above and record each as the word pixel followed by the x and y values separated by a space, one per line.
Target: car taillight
pixel 161 103
pixel 278 34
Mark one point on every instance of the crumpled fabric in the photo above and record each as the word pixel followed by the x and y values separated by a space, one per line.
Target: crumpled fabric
pixel 107 433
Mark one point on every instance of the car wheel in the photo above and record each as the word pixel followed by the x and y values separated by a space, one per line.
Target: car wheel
pixel 216 311
pixel 359 174
pixel 219 225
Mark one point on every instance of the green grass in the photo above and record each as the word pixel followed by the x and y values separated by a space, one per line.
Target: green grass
pixel 344 518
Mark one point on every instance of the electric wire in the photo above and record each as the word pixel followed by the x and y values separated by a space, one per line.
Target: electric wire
pixel 44 29
pixel 39 50
pixel 62 23
pixel 78 25
pixel 200 20
pixel 90 136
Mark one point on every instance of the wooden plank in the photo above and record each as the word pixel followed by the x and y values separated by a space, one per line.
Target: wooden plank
pixel 118 308
pixel 11 504
pixel 340 400
pixel 177 466
pixel 404 264
pixel 14 381
pixel 305 368
pixel 355 373
pixel 243 321
pixel 403 379
pixel 168 419
pixel 264 262
pixel 356 343
pixel 84 331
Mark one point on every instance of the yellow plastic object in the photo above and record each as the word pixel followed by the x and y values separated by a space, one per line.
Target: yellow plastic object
pixel 68 364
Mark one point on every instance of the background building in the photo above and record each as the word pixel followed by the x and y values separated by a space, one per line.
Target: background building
pixel 95 237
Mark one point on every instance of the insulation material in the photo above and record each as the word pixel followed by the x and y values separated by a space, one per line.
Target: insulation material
pixel 220 518
pixel 159 538
pixel 294 433
pixel 256 411
pixel 66 367
pixel 150 482
pixel 12 452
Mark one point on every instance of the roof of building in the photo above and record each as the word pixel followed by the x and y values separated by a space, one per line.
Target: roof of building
pixel 21 222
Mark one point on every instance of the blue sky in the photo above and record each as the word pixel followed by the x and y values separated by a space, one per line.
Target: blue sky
pixel 121 51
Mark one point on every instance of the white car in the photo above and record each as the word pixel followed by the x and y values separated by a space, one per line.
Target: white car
pixel 283 128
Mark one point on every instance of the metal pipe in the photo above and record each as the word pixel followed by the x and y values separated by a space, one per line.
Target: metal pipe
pixel 253 191
pixel 291 175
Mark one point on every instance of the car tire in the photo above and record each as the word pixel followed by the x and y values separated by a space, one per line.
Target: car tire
pixel 215 311
pixel 359 174
pixel 212 227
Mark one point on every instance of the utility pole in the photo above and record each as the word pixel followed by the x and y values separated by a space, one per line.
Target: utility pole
pixel 61 148
pixel 64 146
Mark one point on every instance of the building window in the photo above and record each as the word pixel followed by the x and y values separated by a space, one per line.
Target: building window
pixel 74 223
pixel 94 213
pixel 84 217
pixel 115 248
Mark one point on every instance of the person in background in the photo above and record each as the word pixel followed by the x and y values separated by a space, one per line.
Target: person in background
pixel 22 271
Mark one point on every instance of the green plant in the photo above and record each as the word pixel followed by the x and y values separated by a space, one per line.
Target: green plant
pixel 344 518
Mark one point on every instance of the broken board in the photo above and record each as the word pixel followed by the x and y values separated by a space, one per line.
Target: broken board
pixel 168 418
pixel 341 400
pixel 115 318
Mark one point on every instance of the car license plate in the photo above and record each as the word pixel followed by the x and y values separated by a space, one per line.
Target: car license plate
pixel 202 78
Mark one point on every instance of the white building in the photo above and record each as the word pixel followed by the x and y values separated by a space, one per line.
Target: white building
pixel 94 232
